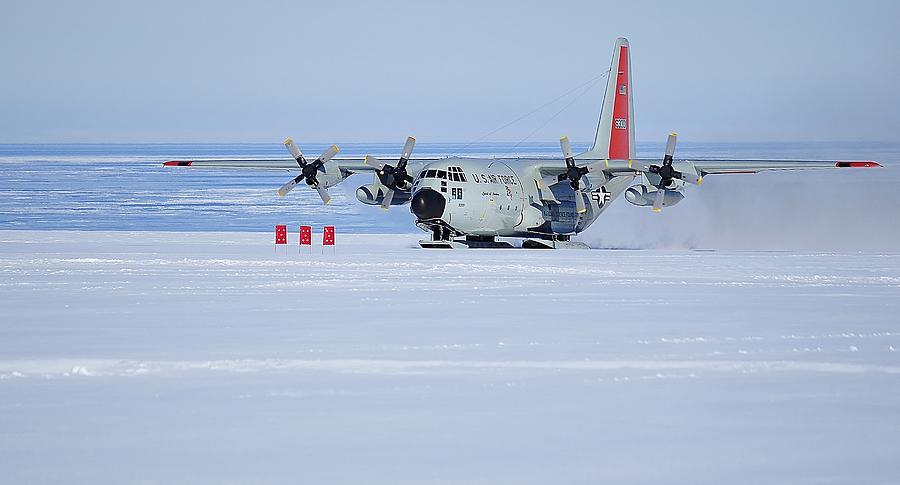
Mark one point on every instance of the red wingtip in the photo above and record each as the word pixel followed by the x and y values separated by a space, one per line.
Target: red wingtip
pixel 857 164
pixel 177 163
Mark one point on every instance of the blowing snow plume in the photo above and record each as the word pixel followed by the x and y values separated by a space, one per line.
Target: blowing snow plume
pixel 827 210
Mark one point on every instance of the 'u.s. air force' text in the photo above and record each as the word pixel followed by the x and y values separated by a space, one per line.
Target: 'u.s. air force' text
pixel 490 178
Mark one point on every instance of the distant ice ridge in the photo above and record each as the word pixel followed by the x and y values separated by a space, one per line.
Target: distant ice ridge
pixel 131 368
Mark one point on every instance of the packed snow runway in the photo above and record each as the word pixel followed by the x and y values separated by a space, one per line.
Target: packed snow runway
pixel 143 356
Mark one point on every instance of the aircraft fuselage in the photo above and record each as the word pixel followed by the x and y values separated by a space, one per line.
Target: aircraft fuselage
pixel 485 197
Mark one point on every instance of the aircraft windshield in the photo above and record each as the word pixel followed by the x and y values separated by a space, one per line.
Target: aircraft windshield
pixel 454 174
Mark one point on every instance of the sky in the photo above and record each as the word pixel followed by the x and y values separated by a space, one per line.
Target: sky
pixel 127 72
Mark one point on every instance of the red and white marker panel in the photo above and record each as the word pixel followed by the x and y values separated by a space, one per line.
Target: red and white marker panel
pixel 280 234
pixel 306 235
pixel 328 236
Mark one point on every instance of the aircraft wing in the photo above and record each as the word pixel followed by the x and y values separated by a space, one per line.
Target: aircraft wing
pixel 725 166
pixel 348 165
pixel 755 166
pixel 242 163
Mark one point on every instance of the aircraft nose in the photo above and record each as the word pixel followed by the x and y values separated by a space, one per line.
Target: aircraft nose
pixel 428 204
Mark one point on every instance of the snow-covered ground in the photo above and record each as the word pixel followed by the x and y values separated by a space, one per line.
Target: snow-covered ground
pixel 207 358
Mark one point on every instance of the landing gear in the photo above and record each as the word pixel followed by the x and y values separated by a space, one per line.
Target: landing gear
pixel 442 238
pixel 553 241
pixel 440 233
pixel 485 242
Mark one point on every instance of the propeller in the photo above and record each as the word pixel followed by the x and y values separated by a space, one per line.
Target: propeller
pixel 667 173
pixel 573 174
pixel 308 171
pixel 393 177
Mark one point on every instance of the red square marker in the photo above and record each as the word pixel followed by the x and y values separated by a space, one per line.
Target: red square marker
pixel 281 234
pixel 305 235
pixel 328 236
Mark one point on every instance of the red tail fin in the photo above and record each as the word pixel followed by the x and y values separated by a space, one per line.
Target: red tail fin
pixel 615 131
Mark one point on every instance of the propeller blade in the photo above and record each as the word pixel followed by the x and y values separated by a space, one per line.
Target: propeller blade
pixel 295 152
pixel 290 185
pixel 691 178
pixel 388 197
pixel 408 149
pixel 373 162
pixel 323 193
pixel 670 145
pixel 546 193
pixel 658 201
pixel 579 202
pixel 638 166
pixel 566 146
pixel 567 151
pixel 329 154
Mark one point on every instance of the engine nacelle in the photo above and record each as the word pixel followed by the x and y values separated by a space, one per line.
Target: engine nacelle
pixel 330 175
pixel 644 196
pixel 373 194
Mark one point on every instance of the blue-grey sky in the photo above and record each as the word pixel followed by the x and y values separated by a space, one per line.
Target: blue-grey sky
pixel 258 71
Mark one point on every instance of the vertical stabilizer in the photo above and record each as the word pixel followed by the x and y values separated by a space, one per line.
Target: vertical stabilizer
pixel 615 131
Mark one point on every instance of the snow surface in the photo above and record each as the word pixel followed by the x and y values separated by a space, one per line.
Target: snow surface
pixel 159 357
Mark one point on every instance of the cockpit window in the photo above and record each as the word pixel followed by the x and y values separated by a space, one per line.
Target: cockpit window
pixel 456 174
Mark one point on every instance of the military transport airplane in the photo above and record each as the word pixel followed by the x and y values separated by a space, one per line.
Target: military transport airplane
pixel 468 202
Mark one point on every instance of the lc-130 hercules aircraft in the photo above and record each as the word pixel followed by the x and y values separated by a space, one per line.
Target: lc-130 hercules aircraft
pixel 468 202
